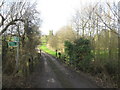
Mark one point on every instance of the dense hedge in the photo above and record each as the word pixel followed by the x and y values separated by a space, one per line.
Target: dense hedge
pixel 79 53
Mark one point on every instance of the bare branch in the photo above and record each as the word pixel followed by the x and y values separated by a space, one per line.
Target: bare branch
pixel 1 4
pixel 10 23
pixel 106 24
pixel 113 11
pixel 3 19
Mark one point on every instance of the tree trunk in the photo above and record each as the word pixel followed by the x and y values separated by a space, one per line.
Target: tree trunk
pixel 110 50
pixel 118 62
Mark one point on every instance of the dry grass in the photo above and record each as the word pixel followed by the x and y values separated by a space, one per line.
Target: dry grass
pixel 13 81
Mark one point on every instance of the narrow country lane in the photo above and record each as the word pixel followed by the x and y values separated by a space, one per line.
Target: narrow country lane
pixel 50 73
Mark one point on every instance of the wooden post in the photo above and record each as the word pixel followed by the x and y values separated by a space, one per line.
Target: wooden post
pixel 17 56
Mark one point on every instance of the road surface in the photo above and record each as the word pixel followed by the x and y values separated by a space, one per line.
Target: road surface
pixel 50 73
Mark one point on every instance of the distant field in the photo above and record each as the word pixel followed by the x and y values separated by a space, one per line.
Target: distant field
pixel 103 54
pixel 45 49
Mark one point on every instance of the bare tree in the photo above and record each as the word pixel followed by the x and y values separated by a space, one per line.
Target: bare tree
pixel 17 12
pixel 82 18
pixel 21 19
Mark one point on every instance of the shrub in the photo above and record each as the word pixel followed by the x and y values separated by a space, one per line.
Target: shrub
pixel 79 53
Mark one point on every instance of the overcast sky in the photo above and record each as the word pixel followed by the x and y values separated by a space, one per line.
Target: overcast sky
pixel 58 13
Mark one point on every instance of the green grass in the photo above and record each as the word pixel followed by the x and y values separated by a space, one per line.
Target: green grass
pixel 45 49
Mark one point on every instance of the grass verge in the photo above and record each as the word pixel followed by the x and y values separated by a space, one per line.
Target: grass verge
pixel 45 49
